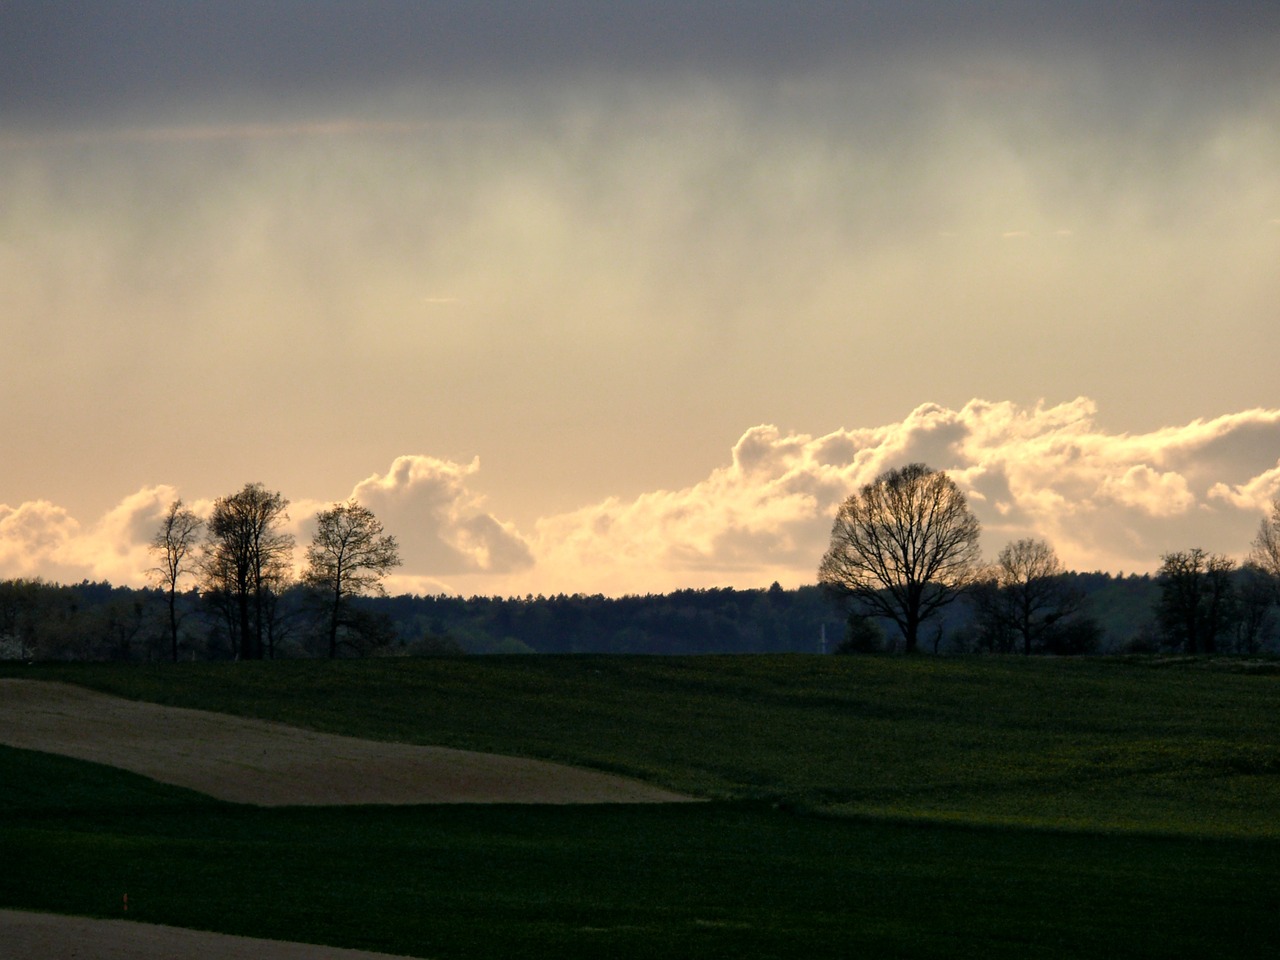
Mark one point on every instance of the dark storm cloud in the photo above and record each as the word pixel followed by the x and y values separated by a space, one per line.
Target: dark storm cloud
pixel 71 61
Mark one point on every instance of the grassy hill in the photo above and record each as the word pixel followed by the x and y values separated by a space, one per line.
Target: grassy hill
pixel 873 806
pixel 1175 746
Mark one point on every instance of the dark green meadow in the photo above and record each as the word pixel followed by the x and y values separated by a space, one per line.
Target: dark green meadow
pixel 861 807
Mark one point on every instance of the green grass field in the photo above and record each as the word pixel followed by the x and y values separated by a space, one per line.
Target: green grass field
pixel 863 807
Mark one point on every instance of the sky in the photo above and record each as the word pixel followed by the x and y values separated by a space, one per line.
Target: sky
pixel 627 298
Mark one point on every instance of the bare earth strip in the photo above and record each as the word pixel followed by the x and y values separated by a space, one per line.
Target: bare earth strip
pixel 270 764
pixel 44 936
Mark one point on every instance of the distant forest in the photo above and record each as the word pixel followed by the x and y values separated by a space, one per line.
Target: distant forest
pixel 98 621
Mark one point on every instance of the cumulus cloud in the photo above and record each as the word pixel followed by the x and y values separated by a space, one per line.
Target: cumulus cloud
pixel 441 524
pixel 1105 500
pixel 34 536
pixel 1259 490
pixel 41 539
pixel 1150 491
pixel 1111 501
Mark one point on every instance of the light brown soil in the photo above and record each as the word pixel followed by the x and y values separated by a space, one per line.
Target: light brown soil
pixel 270 764
pixel 45 936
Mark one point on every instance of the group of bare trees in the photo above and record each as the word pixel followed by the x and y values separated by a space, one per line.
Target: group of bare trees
pixel 1207 602
pixel 906 545
pixel 241 561
pixel 1026 603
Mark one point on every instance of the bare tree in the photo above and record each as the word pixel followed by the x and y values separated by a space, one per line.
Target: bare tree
pixel 1266 545
pixel 247 558
pixel 1026 596
pixel 348 556
pixel 1260 583
pixel 903 547
pixel 1197 603
pixel 217 591
pixel 1255 593
pixel 174 544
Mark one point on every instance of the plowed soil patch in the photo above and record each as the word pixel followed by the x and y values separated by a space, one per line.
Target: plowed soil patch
pixel 271 764
pixel 42 936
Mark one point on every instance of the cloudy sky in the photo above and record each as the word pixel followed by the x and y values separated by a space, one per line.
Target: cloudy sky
pixel 583 296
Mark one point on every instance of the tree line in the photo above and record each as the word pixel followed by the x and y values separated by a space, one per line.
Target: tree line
pixel 98 621
pixel 224 588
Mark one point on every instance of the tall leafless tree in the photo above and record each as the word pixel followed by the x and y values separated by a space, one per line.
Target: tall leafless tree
pixel 1266 545
pixel 174 545
pixel 349 555
pixel 246 557
pixel 1260 586
pixel 903 547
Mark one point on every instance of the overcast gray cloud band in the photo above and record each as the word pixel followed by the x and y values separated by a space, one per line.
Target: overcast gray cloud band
pixel 82 59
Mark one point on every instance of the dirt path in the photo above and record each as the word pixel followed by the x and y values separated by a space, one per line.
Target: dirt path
pixel 270 764
pixel 45 936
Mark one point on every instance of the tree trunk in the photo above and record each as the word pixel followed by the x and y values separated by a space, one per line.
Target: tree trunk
pixel 333 625
pixel 173 621
pixel 911 634
pixel 249 649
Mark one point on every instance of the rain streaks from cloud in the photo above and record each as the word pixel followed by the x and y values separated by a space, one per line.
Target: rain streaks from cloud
pixel 587 245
